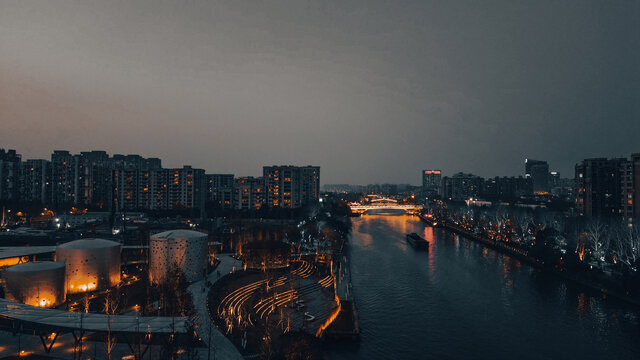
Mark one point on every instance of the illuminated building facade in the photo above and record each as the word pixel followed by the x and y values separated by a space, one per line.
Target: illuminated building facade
pixel 310 177
pixel 185 188
pixel 160 189
pixel 507 188
pixel 431 182
pixel 88 178
pixel 36 179
pixel 91 264
pixel 462 186
pixel 98 179
pixel 185 250
pixel 93 179
pixel 291 186
pixel 152 190
pixel 599 186
pixel 219 190
pixel 248 193
pixel 66 177
pixel 38 283
pixel 126 188
pixel 630 188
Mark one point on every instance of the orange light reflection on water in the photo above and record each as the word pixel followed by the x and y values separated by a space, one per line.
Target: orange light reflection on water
pixel 428 235
pixel 582 306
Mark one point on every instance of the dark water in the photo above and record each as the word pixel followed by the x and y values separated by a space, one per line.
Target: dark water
pixel 463 301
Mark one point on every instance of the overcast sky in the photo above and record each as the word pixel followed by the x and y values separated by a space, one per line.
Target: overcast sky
pixel 372 91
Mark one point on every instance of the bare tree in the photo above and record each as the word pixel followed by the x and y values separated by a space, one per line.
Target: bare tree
pixel 86 302
pixel 110 341
pixel 634 241
pixel 628 242
pixel 111 301
pixel 523 222
pixel 557 224
pixel 501 217
pixel 597 237
pixel 618 242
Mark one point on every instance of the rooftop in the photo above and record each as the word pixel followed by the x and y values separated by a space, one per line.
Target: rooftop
pixel 35 266
pixel 89 244
pixel 7 252
pixel 179 234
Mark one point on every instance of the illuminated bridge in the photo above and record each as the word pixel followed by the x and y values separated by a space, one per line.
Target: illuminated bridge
pixel 383 204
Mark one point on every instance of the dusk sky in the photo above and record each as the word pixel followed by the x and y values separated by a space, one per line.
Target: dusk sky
pixel 371 91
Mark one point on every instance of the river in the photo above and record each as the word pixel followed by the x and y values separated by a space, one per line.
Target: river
pixel 461 300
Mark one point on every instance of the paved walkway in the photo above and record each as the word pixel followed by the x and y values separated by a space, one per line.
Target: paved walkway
pixel 343 277
pixel 222 348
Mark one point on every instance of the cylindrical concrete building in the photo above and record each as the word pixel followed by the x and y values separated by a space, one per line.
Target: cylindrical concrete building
pixel 38 283
pixel 91 264
pixel 185 250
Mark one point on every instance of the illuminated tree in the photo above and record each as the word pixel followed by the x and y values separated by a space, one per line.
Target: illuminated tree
pixel 597 238
pixel 111 301
pixel 523 222
pixel 110 341
pixel 86 302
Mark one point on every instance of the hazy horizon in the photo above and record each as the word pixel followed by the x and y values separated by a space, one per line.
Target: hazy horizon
pixel 371 91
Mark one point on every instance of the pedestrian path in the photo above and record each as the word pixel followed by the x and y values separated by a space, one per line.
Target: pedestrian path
pixel 221 347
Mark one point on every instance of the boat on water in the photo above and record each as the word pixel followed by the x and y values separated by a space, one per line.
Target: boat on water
pixel 417 242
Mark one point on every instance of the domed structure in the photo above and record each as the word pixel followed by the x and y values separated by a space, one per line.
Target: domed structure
pixel 38 283
pixel 91 264
pixel 185 250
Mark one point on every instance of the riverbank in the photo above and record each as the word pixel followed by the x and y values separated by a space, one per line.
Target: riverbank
pixel 345 326
pixel 493 244
pixel 524 256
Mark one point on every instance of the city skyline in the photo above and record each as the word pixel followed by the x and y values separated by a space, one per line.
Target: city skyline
pixel 257 173
pixel 186 163
pixel 369 92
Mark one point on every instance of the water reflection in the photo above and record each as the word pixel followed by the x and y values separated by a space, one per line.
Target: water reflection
pixel 581 305
pixel 463 301
pixel 510 266
pixel 428 235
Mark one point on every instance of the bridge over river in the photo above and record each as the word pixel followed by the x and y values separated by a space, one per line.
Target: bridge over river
pixel 383 204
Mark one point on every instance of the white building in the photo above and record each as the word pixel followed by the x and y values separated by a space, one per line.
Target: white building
pixel 185 250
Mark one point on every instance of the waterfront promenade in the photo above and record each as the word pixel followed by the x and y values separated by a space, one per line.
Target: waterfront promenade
pixel 221 347
pixel 346 323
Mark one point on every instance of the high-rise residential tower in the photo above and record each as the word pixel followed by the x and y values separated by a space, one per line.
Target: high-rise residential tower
pixel 291 186
pixel 431 182
pixel 599 187
pixel 10 166
pixel 538 171
pixel 219 189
